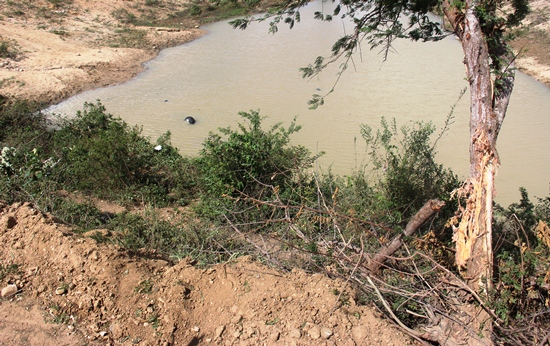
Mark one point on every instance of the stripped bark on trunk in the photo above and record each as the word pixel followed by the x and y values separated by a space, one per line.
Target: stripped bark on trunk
pixel 489 98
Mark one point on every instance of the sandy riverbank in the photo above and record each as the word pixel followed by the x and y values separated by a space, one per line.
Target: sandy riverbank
pixel 78 47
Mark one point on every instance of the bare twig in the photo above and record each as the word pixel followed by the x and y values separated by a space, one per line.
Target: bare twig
pixel 264 252
pixel 544 340
pixel 418 336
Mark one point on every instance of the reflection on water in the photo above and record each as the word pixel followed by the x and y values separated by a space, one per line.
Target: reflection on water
pixel 227 71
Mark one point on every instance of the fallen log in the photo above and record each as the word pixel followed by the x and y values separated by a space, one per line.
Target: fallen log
pixel 428 210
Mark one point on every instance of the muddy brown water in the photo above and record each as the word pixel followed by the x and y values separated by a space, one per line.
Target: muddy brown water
pixel 228 71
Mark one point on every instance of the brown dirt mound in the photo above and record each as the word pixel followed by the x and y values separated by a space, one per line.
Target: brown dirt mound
pixel 71 290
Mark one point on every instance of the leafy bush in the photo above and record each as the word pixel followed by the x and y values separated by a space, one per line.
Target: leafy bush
pixel 374 203
pixel 151 2
pixel 22 125
pixel 400 177
pixel 24 175
pixel 25 170
pixel 128 38
pixel 179 238
pixel 542 209
pixel 195 10
pixel 522 257
pixel 123 16
pixel 85 216
pixel 94 153
pixel 249 162
pixel 406 167
pixel 60 3
pixel 123 162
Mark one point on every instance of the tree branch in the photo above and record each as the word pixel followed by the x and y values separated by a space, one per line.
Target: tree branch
pixel 427 211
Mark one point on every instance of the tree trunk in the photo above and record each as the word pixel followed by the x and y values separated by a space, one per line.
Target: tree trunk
pixel 488 105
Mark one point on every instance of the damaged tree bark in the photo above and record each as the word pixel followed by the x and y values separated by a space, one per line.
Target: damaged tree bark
pixel 490 74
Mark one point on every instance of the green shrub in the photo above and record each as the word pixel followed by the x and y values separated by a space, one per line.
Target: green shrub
pixel 195 10
pixel 102 154
pixel 522 253
pixel 136 232
pixel 85 216
pixel 93 153
pixel 95 149
pixel 184 237
pixel 542 209
pixel 8 269
pixel 375 202
pixel 26 176
pixel 128 38
pixel 406 167
pixel 60 32
pixel 60 3
pixel 22 125
pixel 400 177
pixel 251 3
pixel 248 162
pixel 25 170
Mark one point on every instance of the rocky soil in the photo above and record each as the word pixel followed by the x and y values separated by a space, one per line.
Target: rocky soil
pixel 59 288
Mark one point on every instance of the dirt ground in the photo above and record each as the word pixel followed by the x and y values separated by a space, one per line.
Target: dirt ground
pixel 534 48
pixel 70 290
pixel 59 288
pixel 64 50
